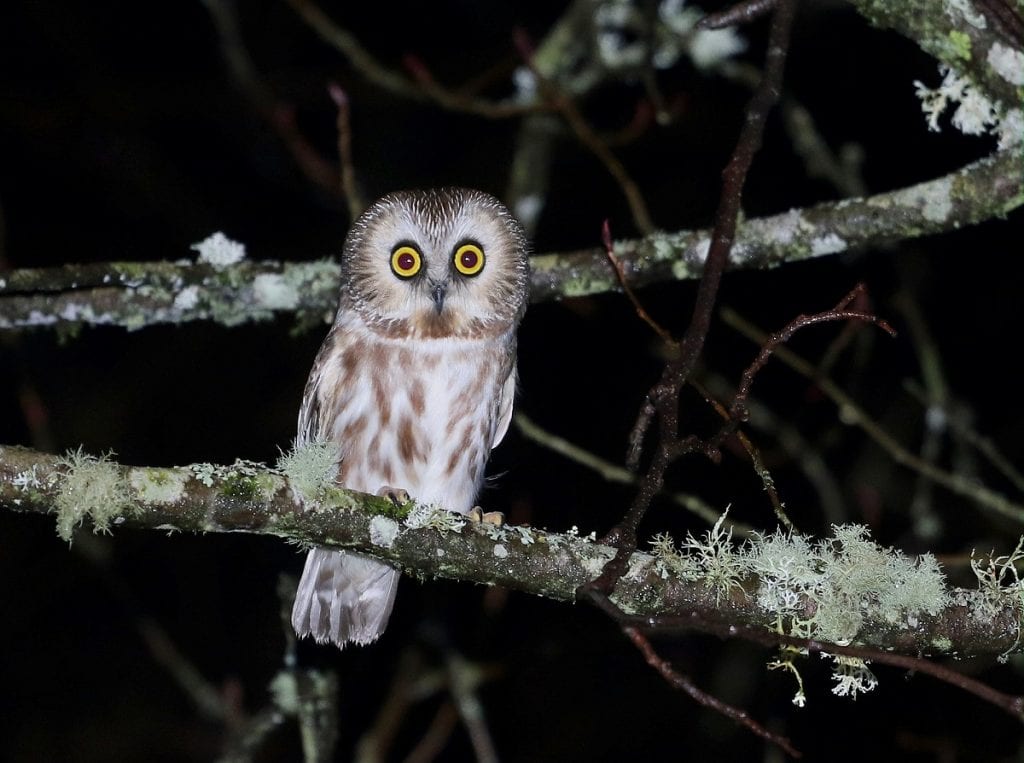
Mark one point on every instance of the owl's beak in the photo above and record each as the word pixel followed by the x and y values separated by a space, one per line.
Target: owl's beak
pixel 437 293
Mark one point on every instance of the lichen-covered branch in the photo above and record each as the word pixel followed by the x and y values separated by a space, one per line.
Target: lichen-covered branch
pixel 973 36
pixel 904 605
pixel 136 295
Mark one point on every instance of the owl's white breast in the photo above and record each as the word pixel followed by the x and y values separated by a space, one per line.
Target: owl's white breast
pixel 419 415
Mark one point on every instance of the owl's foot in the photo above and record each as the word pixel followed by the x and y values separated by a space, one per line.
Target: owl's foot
pixel 396 495
pixel 478 515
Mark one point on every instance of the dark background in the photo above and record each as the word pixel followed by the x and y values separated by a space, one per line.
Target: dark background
pixel 122 137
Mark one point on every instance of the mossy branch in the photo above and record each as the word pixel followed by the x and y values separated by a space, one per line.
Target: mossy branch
pixel 965 36
pixel 136 295
pixel 708 579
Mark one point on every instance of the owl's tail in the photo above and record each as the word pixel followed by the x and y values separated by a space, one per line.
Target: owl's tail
pixel 343 598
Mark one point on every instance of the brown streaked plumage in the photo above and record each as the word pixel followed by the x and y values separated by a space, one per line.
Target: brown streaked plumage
pixel 415 380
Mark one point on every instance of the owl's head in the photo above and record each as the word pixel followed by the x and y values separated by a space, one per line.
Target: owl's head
pixel 447 262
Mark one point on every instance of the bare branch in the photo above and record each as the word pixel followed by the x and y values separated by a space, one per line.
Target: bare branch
pixel 855 415
pixel 423 88
pixel 686 684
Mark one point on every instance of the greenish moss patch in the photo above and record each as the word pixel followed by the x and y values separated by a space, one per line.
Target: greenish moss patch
pixel 158 485
pixel 960 44
pixel 239 486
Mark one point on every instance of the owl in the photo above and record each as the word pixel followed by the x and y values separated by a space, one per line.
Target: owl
pixel 415 379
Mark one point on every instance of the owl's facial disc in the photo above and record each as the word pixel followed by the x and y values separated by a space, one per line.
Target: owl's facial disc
pixel 435 264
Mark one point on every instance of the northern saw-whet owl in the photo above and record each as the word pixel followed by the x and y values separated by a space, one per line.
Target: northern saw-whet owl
pixel 415 380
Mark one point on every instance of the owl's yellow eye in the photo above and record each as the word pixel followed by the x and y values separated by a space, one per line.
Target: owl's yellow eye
pixel 469 259
pixel 406 261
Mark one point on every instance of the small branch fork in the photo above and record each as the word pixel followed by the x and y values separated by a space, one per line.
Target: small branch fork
pixel 663 399
pixel 684 683
pixel 620 273
pixel 662 403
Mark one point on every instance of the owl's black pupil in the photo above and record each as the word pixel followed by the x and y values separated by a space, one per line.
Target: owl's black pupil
pixel 406 261
pixel 469 260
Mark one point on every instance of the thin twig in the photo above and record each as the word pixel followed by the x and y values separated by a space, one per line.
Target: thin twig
pixel 774 341
pixel 424 88
pixel 349 187
pixel 207 698
pixel 855 415
pixel 463 680
pixel 686 684
pixel 922 510
pixel 664 396
pixel 615 473
pixel 696 622
pixel 375 743
pixel 740 13
pixel 959 422
pixel 432 743
pixel 586 135
pixel 279 115
pixel 609 248
pixel 792 441
pixel 755 458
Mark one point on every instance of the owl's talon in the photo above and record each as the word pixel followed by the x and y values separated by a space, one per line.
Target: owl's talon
pixel 479 516
pixel 396 495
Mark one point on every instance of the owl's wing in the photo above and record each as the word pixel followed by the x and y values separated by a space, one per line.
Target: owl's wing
pixel 312 420
pixel 505 400
pixel 309 413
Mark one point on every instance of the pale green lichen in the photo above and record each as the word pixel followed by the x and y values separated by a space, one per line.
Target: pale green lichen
pixel 219 251
pixel 974 114
pixel 852 676
pixel 825 589
pixel 500 551
pixel 594 558
pixel 669 561
pixel 835 584
pixel 311 469
pixel 383 531
pixel 829 243
pixel 244 480
pixel 273 292
pixel 309 279
pixel 423 516
pixel 27 479
pixel 937 204
pixel 1007 62
pixel 285 691
pixel 156 485
pixel 187 299
pixel 965 10
pixel 715 557
pixel 682 268
pixel 960 44
pixel 640 564
pixel 999 584
pixel 525 534
pixel 92 487
pixel 787 226
pixel 204 472
pixel 785 661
